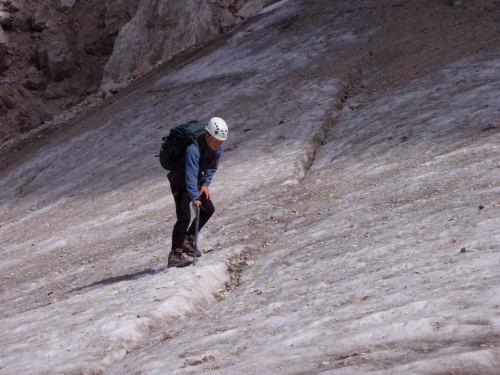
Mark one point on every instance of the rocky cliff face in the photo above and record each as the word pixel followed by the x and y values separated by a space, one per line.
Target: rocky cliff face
pixel 56 53
pixel 161 29
pixel 52 54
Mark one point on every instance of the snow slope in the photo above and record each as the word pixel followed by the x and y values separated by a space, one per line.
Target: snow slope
pixel 366 231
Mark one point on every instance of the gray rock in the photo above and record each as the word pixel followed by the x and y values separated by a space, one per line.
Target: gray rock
pixel 25 94
pixel 118 11
pixel 13 7
pixel 3 38
pixel 101 47
pixel 28 117
pixel 4 48
pixel 252 7
pixel 41 18
pixel 56 91
pixel 31 71
pixel 92 89
pixel 56 60
pixel 61 64
pixel 66 6
pixel 3 108
pixel 21 22
pixel 9 99
pixel 5 19
pixel 161 29
pixel 111 87
pixel 36 81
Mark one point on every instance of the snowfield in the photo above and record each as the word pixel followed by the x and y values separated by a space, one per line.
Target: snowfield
pixel 353 233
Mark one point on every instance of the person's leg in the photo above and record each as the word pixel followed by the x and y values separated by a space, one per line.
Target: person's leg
pixel 205 214
pixel 182 210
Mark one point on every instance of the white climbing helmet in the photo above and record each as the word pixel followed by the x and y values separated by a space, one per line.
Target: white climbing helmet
pixel 217 128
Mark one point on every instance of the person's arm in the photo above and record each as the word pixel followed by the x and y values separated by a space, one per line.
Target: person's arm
pixel 212 168
pixel 191 173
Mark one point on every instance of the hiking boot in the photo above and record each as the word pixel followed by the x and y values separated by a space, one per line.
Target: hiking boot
pixel 176 259
pixel 188 247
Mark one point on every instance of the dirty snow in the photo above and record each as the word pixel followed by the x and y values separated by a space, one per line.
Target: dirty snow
pixel 366 231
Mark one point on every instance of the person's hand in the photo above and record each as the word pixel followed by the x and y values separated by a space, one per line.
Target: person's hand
pixel 197 203
pixel 204 190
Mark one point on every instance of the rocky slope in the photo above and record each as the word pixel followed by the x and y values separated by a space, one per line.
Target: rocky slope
pixel 56 53
pixel 53 56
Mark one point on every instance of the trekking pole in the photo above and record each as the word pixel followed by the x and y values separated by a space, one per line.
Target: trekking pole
pixel 196 235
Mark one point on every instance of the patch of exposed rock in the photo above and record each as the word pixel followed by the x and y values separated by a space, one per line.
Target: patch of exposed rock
pixel 4 47
pixel 162 29
pixel 54 54
pixel 45 67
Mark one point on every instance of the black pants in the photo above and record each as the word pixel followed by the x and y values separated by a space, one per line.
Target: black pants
pixel 183 210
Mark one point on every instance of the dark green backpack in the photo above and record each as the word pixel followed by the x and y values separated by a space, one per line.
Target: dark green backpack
pixel 175 144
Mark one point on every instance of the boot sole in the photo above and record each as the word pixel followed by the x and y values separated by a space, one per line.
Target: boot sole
pixel 180 265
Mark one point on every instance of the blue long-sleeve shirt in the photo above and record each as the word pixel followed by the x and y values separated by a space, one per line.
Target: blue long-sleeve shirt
pixel 197 171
